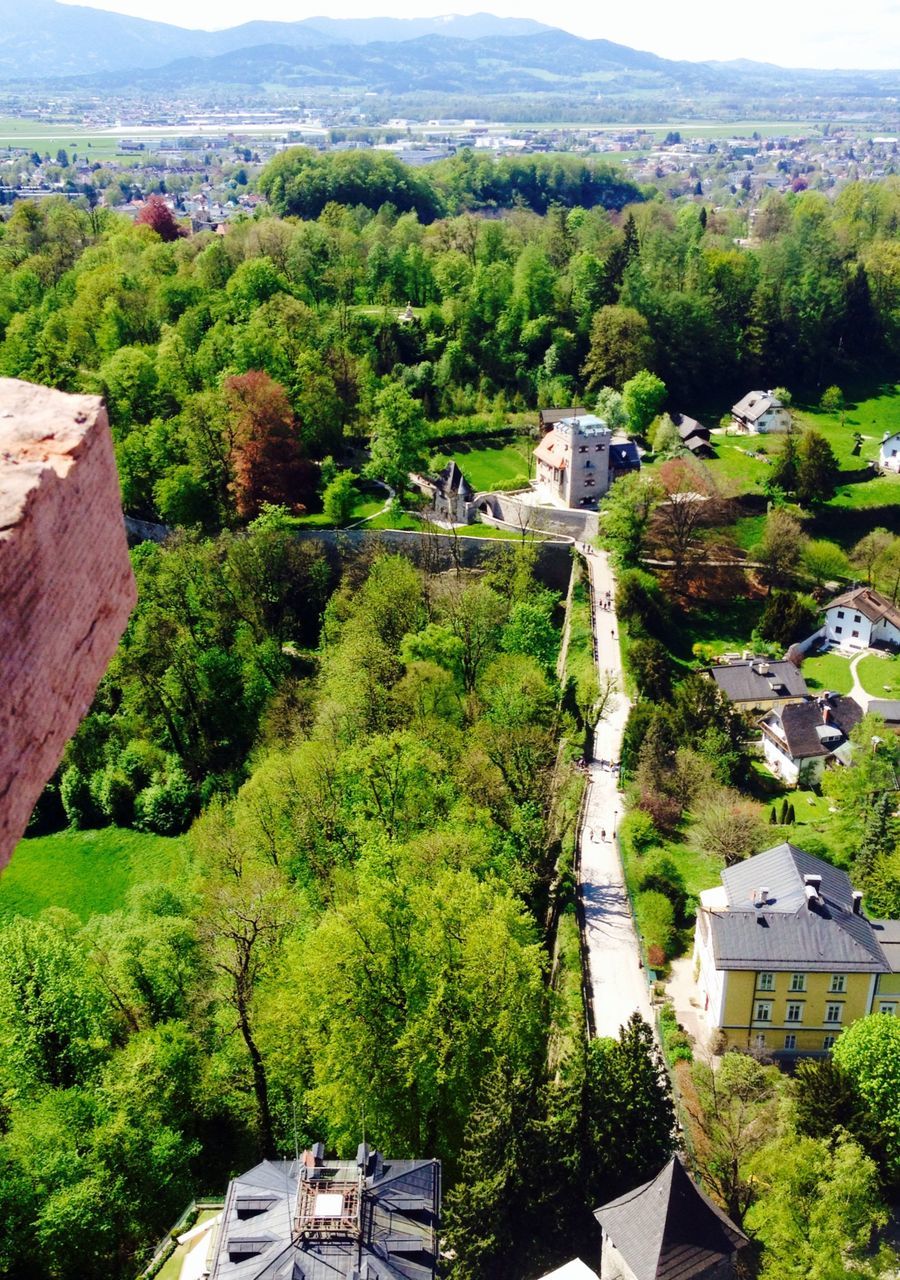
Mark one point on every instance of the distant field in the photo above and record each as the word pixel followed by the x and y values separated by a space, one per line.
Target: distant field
pixel 87 872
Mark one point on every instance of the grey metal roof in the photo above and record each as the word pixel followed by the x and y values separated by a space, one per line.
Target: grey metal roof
pixel 887 708
pixel 397 1238
pixel 745 681
pixel 755 404
pixel 624 456
pixel 790 931
pixel 888 934
pixel 688 427
pixel 668 1229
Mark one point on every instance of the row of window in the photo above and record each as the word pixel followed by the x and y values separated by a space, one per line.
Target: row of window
pixel 856 617
pixel 790 1042
pixel 833 1012
pixel 854 635
pixel 766 982
pixel 598 448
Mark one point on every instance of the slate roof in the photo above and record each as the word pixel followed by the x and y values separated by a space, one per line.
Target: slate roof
pixel 688 427
pixel 789 931
pixel 744 681
pixel 869 602
pixel 624 456
pixel 755 404
pixel 668 1229
pixel 804 728
pixel 397 1238
pixel 451 480
pixel 888 934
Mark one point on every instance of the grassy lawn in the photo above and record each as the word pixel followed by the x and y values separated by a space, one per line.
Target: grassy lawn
pixel 828 671
pixel 493 466
pixel 880 676
pixel 87 872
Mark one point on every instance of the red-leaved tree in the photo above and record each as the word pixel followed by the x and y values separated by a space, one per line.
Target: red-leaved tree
pixel 157 215
pixel 267 457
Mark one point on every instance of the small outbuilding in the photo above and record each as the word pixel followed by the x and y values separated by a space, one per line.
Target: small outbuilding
pixel 889 453
pixel 668 1229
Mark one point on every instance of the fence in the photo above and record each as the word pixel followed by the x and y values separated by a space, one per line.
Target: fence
pixel 169 1243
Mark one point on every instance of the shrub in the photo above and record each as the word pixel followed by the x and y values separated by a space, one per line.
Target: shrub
pixel 656 957
pixel 115 795
pixel 656 920
pixel 638 831
pixel 660 874
pixel 79 805
pixel 167 805
pixel 664 810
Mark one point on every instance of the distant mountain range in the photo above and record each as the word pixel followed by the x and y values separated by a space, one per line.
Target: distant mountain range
pixel 479 54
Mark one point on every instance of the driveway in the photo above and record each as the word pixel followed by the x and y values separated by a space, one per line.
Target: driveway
pixel 617 981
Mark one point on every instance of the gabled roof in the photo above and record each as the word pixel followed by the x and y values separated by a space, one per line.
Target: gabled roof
pixel 451 480
pixel 812 729
pixel 668 1229
pixel 755 404
pixel 688 427
pixel 869 602
pixel 758 680
pixel 887 708
pixel 790 929
pixel 624 456
pixel 554 450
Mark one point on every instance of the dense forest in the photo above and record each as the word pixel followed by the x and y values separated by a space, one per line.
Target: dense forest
pixel 230 363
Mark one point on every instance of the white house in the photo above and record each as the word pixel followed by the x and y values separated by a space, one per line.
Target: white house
pixel 889 453
pixel 860 618
pixel 760 413
pixel 802 737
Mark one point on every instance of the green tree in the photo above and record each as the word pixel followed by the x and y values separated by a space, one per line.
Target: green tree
pixel 643 396
pixel 621 345
pixel 817 469
pixel 869 1053
pixel 824 561
pixel 399 438
pixel 627 510
pixel 339 498
pixel 817 1208
pixel 611 408
pixel 832 401
pixel 630 1119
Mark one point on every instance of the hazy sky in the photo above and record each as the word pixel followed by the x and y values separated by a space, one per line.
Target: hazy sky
pixel 810 33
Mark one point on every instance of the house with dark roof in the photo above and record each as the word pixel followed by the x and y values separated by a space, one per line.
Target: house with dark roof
pixel 451 499
pixel 668 1229
pixel 803 738
pixel 758 684
pixel 760 413
pixel 861 618
pixel 321 1219
pixel 623 457
pixel 693 435
pixel 786 957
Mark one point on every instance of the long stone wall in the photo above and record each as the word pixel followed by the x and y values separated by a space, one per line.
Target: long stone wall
pixel 583 525
pixel 439 553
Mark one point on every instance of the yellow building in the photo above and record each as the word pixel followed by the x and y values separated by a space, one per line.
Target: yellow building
pixel 786 958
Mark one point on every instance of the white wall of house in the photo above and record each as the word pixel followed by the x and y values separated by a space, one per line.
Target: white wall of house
pixel 889 453
pixel 612 1265
pixel 884 632
pixel 711 981
pixel 771 421
pixel 780 761
pixel 848 628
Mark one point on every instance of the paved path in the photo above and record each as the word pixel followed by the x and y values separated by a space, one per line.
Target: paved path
pixel 618 984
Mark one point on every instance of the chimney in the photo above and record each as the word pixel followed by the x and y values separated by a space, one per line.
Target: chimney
pixel 812 896
pixel 314 1157
pixel 826 714
pixel 760 897
pixel 857 902
pixel 814 880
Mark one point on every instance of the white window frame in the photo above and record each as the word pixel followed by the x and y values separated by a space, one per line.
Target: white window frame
pixel 759 1040
pixel 838 984
pixel 838 1009
pixel 889 1007
pixel 828 1043
pixel 798 982
pixel 790 1041
pixel 792 1005
pixel 765 982
pixel 766 1014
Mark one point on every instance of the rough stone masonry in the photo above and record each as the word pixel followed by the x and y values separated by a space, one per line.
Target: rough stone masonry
pixel 66 585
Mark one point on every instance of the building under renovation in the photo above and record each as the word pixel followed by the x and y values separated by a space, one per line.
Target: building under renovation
pixel 320 1219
